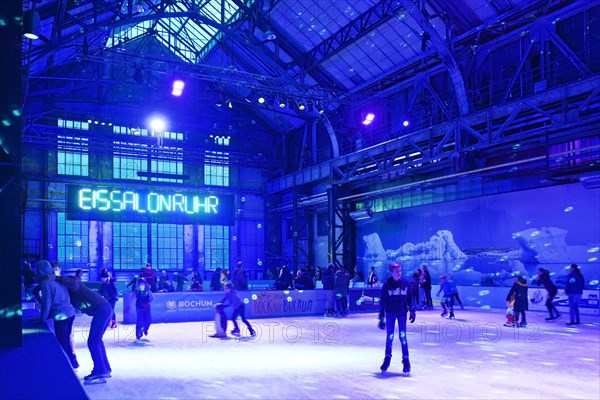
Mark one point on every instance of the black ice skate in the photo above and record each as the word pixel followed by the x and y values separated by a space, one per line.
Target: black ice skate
pixel 235 332
pixel 452 316
pixel 406 366
pixel 252 332
pixel 386 363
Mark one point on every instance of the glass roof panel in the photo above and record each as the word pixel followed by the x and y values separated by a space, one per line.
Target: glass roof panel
pixel 188 38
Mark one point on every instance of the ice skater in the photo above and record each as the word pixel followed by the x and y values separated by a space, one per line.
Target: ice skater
pixel 96 306
pixel 510 312
pixel 543 278
pixel 446 302
pixel 56 304
pixel 519 290
pixel 395 303
pixel 455 292
pixel 232 299
pixel 574 289
pixel 143 308
pixel 108 290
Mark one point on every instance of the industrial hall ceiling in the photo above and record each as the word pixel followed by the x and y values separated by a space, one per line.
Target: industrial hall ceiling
pixel 374 96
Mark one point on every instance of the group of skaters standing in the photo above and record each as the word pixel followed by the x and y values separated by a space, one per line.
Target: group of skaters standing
pixel 518 304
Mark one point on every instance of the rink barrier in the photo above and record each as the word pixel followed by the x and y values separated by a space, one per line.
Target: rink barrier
pixel 199 306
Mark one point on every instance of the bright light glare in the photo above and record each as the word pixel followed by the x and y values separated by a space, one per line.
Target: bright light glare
pixel 157 124
pixel 368 119
pixel 178 86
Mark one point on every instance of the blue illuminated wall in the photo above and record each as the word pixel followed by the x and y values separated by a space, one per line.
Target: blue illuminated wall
pixel 487 240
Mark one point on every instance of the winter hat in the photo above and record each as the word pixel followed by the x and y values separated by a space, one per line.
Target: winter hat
pixel 104 274
pixel 43 269
pixel 141 281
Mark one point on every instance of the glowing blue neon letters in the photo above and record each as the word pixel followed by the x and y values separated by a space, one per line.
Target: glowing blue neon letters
pixel 150 202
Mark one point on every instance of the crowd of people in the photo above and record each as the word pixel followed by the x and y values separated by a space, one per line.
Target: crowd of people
pixel 61 297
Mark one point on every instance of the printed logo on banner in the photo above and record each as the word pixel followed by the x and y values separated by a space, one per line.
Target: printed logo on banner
pixel 171 304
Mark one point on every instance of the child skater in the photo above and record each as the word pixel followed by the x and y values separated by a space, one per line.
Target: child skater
pixel 510 312
pixel 143 298
pixel 446 301
pixel 232 299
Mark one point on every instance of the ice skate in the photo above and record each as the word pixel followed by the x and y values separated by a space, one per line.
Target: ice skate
pixel 145 332
pixel 235 332
pixel 444 313
pixel 95 378
pixel 252 332
pixel 406 366
pixel 452 316
pixel 386 363
pixel 523 324
pixel 94 381
pixel 113 325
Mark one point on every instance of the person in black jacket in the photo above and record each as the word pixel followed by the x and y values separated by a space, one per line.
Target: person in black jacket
pixel 109 291
pixel 327 279
pixel 426 285
pixel 574 289
pixel 543 278
pixel 240 280
pixel 215 281
pixel 519 289
pixel 304 281
pixel 396 302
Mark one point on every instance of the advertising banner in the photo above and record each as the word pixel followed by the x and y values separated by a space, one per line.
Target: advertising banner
pixel 193 306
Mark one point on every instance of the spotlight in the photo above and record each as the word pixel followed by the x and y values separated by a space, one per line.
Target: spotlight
pixel 301 105
pixel 320 109
pixel 281 103
pixel 269 35
pixel 368 119
pixel 405 123
pixel 31 25
pixel 261 100
pixel 177 88
pixel 157 124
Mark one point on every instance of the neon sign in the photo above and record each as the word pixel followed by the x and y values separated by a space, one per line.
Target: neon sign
pixel 133 205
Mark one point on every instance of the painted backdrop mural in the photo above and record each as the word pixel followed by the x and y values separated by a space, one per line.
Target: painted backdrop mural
pixel 486 241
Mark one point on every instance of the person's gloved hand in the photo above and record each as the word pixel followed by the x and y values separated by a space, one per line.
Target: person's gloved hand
pixel 381 324
pixel 412 317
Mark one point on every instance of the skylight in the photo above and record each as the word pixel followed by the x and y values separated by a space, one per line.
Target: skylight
pixel 189 38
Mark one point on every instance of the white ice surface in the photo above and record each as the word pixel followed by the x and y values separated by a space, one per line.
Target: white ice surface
pixel 472 357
